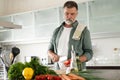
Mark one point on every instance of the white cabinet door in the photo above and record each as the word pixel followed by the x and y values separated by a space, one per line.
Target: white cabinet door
pixel 27 22
pixel 104 16
pixel 45 22
pixel 5 34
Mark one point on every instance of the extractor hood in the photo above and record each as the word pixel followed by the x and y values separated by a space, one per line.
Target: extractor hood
pixel 9 25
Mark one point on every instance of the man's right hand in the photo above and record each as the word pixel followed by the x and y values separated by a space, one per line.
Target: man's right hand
pixel 53 56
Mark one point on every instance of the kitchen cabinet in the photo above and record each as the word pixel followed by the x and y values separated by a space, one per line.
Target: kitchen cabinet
pixel 27 31
pixel 46 21
pixel 5 34
pixel 27 22
pixel 5 18
pixel 82 13
pixel 35 25
pixel 104 18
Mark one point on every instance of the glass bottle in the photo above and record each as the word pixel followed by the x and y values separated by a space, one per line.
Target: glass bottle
pixel 73 64
pixel 116 56
pixel 79 65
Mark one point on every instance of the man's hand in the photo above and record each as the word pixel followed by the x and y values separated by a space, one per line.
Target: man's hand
pixel 53 56
pixel 83 58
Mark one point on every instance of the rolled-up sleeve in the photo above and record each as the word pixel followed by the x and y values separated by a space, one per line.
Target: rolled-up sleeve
pixel 87 45
pixel 53 40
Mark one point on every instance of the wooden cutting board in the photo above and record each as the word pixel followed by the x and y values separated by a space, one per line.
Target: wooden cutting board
pixel 60 71
pixel 69 76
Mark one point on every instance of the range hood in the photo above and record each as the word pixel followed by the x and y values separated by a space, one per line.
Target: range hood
pixel 9 25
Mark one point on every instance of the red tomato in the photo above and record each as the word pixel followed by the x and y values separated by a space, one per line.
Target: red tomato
pixel 67 62
pixel 49 77
pixel 40 77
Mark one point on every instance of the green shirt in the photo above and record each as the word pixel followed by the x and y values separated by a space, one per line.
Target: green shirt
pixel 81 47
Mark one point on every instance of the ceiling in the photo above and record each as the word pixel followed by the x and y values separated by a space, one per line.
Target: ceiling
pixel 16 6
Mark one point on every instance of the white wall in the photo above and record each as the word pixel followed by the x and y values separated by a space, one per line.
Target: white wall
pixel 37 49
pixel 104 51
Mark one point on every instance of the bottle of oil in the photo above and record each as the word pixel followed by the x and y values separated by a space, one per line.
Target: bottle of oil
pixel 79 65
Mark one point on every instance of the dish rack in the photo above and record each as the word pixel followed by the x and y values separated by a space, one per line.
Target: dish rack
pixel 3 73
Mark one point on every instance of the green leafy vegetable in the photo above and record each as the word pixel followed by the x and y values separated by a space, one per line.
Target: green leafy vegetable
pixel 15 71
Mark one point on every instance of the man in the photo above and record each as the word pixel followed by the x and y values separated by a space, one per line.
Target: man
pixel 64 38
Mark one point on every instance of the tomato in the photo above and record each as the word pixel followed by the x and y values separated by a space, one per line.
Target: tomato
pixel 40 77
pixel 49 77
pixel 67 62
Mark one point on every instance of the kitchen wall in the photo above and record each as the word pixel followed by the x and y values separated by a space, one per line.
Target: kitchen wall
pixel 103 51
pixel 103 47
pixel 33 49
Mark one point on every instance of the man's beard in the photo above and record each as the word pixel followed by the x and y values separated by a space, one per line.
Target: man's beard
pixel 69 22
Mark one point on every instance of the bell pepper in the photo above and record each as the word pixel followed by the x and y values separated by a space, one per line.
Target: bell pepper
pixel 28 73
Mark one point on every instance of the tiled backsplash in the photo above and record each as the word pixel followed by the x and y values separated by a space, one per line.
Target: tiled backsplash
pixel 104 52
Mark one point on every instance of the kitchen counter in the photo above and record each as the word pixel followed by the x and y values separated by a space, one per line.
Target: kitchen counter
pixel 103 67
pixel 106 72
pixel 102 72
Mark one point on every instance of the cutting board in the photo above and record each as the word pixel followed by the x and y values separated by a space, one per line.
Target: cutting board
pixel 69 76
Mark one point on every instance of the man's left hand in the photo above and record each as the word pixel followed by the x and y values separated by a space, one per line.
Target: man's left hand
pixel 83 58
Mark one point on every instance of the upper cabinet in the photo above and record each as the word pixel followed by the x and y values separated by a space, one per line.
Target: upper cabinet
pixel 104 18
pixel 27 22
pixel 5 18
pixel 82 13
pixel 35 25
pixel 24 19
pixel 46 21
pixel 100 16
pixel 5 34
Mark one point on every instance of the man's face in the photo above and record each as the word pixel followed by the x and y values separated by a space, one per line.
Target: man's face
pixel 70 15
